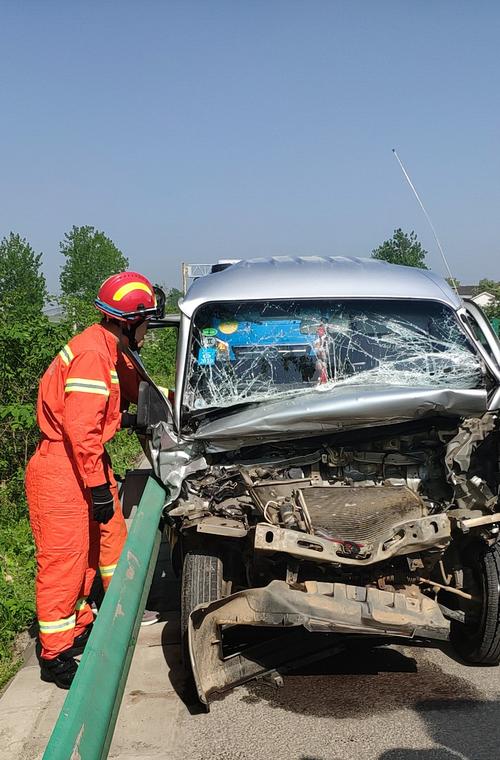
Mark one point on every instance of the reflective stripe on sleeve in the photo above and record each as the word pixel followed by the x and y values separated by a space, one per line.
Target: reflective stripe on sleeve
pixel 107 571
pixel 57 626
pixel 114 376
pixel 66 354
pixel 84 385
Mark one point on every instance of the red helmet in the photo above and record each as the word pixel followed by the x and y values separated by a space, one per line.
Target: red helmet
pixel 128 297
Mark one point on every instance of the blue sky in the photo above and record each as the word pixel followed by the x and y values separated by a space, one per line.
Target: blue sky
pixel 191 131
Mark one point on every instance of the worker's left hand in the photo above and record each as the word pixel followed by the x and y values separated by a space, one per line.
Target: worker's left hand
pixel 102 503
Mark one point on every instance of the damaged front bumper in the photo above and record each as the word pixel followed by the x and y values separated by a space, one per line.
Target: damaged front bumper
pixel 314 606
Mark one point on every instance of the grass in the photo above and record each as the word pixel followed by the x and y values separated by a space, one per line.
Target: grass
pixel 124 451
pixel 17 579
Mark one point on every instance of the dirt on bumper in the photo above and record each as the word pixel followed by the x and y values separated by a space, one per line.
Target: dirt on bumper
pixel 327 608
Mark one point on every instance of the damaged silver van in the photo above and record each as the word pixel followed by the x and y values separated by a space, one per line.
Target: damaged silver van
pixel 332 462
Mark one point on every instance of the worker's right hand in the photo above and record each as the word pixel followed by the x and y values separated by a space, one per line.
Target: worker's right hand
pixel 102 503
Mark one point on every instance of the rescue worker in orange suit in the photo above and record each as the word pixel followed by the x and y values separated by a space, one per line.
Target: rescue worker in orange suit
pixel 75 512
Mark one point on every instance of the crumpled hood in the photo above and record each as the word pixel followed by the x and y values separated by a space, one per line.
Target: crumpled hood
pixel 339 409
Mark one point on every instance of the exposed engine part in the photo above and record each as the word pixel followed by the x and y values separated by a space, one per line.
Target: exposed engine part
pixel 470 490
pixel 451 589
pixel 288 515
pixel 457 615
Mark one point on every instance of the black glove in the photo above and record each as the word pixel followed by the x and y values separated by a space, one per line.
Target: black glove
pixel 102 503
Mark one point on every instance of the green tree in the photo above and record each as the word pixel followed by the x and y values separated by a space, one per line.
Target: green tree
pixel 90 257
pixel 490 286
pixel 402 249
pixel 25 349
pixel 172 300
pixel 22 284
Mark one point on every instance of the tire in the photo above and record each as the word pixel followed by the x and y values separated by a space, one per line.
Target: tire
pixel 202 581
pixel 478 639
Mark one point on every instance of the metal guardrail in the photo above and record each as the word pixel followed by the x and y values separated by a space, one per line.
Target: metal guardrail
pixel 87 720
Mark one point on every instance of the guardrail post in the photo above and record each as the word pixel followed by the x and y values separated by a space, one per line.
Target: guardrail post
pixel 87 720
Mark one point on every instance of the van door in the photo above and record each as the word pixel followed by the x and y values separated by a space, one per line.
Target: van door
pixel 488 343
pixel 155 418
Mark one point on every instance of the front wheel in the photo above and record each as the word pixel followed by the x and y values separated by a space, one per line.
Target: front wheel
pixel 202 582
pixel 478 639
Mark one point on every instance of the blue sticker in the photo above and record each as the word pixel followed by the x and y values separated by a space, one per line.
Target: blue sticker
pixel 207 355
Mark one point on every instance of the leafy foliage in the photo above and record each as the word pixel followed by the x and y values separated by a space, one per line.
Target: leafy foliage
pixel 158 355
pixel 28 342
pixel 492 311
pixel 90 257
pixel 17 597
pixel 21 281
pixel 26 349
pixel 172 300
pixel 402 249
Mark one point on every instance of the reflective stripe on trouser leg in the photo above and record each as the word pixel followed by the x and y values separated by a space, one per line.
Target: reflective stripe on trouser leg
pixel 112 540
pixel 106 573
pixel 60 524
pixel 57 626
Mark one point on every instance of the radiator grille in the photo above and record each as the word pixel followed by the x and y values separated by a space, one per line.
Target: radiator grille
pixel 363 514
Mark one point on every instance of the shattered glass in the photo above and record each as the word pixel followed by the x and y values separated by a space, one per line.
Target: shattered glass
pixel 262 350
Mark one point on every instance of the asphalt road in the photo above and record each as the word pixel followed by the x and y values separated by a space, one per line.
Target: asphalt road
pixel 389 703
pixel 370 703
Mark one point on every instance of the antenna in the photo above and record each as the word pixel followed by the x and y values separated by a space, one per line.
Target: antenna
pixel 407 177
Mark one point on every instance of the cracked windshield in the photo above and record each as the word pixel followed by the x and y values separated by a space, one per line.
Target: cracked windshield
pixel 260 350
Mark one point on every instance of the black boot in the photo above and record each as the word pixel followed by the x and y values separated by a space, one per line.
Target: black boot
pixel 61 670
pixel 80 642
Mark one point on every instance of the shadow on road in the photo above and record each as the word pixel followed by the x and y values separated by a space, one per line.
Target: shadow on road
pixel 363 680
pixel 463 728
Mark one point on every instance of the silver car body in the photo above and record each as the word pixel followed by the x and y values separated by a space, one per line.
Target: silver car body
pixel 180 450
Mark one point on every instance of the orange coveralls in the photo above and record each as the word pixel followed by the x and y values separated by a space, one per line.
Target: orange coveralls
pixel 80 400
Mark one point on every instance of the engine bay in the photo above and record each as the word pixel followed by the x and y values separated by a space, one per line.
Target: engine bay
pixel 360 499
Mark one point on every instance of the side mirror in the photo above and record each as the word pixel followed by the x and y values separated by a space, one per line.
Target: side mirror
pixel 151 406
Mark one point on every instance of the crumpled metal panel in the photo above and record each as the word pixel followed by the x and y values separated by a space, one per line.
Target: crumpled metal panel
pixel 173 459
pixel 472 491
pixel 318 607
pixel 343 409
pixel 406 537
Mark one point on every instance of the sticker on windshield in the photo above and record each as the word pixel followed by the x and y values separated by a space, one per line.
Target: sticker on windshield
pixel 210 332
pixel 228 328
pixel 207 356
